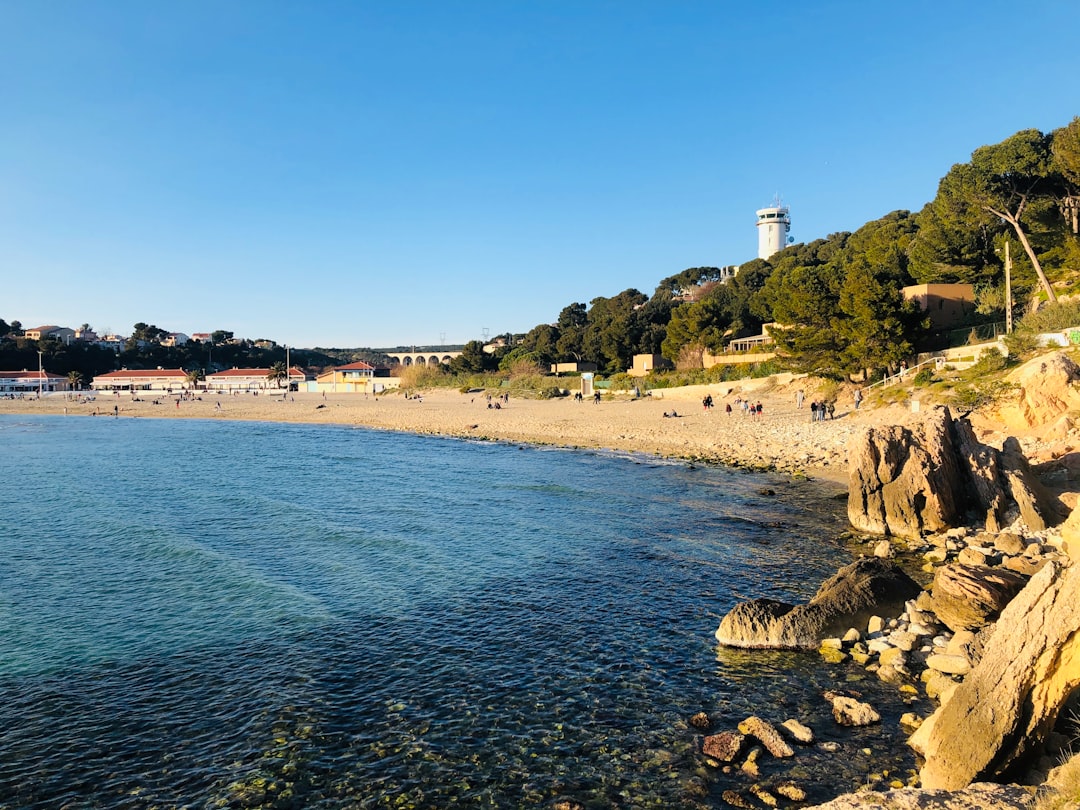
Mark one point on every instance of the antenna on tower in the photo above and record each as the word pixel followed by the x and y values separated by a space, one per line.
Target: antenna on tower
pixel 485 331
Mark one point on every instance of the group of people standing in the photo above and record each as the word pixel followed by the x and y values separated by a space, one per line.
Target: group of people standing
pixel 818 410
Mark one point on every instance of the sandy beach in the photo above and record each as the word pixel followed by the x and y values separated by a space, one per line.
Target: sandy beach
pixel 782 438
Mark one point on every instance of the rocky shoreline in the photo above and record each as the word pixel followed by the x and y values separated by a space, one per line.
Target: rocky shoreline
pixel 985 649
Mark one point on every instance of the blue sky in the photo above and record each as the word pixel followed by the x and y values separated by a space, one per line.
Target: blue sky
pixel 405 172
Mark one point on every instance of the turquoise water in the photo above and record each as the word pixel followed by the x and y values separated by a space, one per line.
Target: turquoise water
pixel 205 614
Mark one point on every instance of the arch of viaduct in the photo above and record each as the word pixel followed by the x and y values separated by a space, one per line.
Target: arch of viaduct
pixel 422 358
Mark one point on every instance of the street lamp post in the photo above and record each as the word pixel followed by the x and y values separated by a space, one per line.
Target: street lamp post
pixel 40 374
pixel 1008 290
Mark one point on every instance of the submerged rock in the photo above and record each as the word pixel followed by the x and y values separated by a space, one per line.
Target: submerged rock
pixel 767 735
pixel 724 747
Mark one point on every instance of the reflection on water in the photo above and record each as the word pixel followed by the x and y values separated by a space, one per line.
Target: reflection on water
pixel 213 615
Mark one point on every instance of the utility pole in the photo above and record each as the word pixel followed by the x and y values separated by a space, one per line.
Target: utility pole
pixel 1008 290
pixel 40 375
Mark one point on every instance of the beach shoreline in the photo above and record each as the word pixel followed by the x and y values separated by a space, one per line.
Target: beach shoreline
pixel 667 423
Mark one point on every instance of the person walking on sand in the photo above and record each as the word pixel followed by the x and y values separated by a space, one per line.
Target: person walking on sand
pixel 799 397
pixel 813 411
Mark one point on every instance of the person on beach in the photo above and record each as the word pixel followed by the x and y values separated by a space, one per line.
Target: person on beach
pixel 858 398
pixel 831 408
pixel 813 411
pixel 799 396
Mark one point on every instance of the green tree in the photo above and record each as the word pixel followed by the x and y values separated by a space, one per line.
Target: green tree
pixel 613 332
pixel 472 359
pixel 278 374
pixel 194 377
pixel 1003 181
pixel 75 379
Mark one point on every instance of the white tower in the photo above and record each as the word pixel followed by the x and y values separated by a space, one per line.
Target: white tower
pixel 773 224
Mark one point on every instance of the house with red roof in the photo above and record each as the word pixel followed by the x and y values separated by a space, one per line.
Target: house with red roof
pixel 251 379
pixel 354 378
pixel 142 379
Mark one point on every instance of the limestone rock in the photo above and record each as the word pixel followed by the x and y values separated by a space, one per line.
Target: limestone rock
pixel 763 796
pixel 859 590
pixel 976 797
pixel 790 790
pixel 966 597
pixel 850 712
pixel 724 746
pixel 1008 543
pixel 700 720
pixel 1047 391
pixel 1038 508
pixel 798 732
pixel 767 735
pixel 904 480
pixel 910 481
pixel 996 719
pixel 949 664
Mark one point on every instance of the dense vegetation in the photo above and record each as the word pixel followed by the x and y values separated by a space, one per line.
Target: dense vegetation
pixel 837 300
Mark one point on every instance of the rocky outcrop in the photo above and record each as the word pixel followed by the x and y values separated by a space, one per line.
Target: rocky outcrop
pixel 997 717
pixel 974 797
pixel 903 480
pixel 968 597
pixel 906 481
pixel 864 588
pixel 1047 390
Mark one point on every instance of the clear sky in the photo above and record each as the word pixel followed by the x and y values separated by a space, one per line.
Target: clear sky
pixel 373 174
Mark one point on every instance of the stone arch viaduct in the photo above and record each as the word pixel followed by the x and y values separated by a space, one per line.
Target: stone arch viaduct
pixel 432 358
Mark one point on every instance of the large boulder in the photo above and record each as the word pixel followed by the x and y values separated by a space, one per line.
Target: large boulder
pixel 867 587
pixel 904 480
pixel 1047 389
pixel 968 597
pixel 929 477
pixel 995 722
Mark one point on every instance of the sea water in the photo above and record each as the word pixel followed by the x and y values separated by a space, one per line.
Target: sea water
pixel 224 614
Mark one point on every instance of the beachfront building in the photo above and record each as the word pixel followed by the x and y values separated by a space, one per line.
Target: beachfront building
pixel 32 382
pixel 572 368
pixel 354 378
pixel 142 379
pixel 645 364
pixel 251 379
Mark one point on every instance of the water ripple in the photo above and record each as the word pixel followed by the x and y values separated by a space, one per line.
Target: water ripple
pixel 209 615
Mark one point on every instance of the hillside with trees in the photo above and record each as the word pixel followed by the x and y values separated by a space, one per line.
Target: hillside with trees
pixel 838 299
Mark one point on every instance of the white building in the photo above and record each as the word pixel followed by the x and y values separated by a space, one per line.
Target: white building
pixel 773 224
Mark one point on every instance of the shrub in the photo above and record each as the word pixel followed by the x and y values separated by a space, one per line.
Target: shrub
pixel 989 362
pixel 974 397
pixel 925 376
